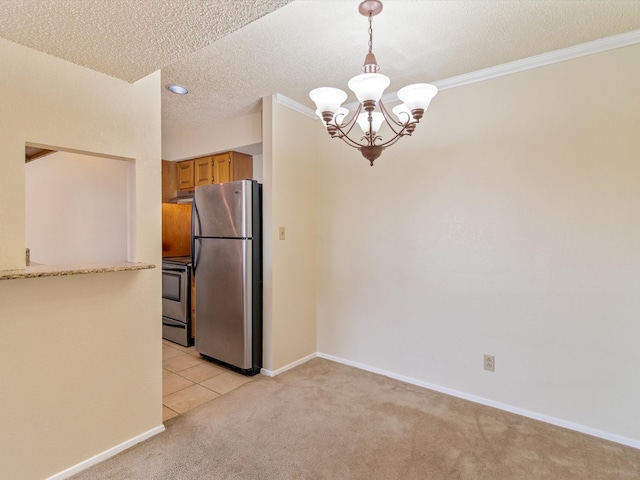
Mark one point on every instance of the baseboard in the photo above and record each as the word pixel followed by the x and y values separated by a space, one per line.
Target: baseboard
pixel 106 454
pixel 490 403
pixel 273 373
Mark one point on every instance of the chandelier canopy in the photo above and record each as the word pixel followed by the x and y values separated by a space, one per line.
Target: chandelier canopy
pixel 368 88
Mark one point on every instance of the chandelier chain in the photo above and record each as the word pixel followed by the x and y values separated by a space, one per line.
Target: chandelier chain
pixel 370 32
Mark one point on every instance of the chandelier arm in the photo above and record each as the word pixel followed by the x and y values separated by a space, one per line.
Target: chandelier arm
pixel 351 123
pixel 391 122
pixel 396 132
pixel 345 129
pixel 389 119
pixel 371 139
pixel 349 141
pixel 338 131
pixel 348 126
pixel 391 142
pixel 403 132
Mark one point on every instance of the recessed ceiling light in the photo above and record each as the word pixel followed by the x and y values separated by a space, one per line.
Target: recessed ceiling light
pixel 178 89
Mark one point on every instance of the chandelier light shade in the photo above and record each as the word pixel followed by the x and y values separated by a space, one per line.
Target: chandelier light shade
pixel 369 88
pixel 338 117
pixel 417 96
pixel 376 121
pixel 327 98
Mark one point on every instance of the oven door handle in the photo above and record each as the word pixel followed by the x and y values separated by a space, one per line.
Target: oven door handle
pixel 174 325
pixel 166 268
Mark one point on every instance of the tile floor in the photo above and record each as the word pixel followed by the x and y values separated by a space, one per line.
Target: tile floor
pixel 188 380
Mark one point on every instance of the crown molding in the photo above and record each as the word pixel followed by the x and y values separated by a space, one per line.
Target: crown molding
pixel 556 56
pixel 295 106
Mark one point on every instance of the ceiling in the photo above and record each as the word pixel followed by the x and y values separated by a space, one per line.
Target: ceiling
pixel 231 53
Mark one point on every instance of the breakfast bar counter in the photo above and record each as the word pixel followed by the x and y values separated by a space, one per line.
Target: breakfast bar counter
pixel 37 271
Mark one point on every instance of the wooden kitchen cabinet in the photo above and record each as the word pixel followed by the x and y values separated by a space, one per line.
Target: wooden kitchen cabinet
pixel 241 166
pixel 185 175
pixel 176 229
pixel 203 168
pixel 219 168
pixel 169 180
pixel 222 168
pixel 232 166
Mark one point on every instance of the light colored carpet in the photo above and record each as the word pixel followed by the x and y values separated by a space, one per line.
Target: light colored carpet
pixel 324 420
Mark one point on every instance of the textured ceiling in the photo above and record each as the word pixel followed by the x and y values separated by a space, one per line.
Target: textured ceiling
pixel 126 39
pixel 231 53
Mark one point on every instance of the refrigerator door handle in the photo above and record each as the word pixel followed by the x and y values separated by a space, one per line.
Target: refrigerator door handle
pixel 197 246
pixel 195 217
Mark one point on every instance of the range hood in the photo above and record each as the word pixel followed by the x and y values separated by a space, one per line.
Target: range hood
pixel 185 196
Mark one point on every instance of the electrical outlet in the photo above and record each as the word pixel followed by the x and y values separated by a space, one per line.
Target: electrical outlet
pixel 489 363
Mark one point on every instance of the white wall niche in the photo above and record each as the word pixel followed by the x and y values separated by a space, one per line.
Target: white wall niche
pixel 79 208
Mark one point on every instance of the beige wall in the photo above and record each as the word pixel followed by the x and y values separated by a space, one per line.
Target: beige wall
pixel 508 225
pixel 213 138
pixel 290 201
pixel 79 355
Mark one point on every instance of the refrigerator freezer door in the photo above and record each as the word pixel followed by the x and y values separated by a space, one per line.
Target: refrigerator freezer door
pixel 223 301
pixel 223 210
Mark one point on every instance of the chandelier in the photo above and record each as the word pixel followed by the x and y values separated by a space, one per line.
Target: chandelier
pixel 368 88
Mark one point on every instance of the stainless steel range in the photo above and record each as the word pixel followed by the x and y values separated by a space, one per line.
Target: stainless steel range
pixel 176 300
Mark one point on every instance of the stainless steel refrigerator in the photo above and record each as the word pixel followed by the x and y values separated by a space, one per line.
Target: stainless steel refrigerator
pixel 227 263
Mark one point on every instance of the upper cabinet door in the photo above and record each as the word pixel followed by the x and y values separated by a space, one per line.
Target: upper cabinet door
pixel 185 175
pixel 241 166
pixel 222 168
pixel 203 171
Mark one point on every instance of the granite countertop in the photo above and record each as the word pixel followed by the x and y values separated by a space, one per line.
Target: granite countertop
pixel 36 270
